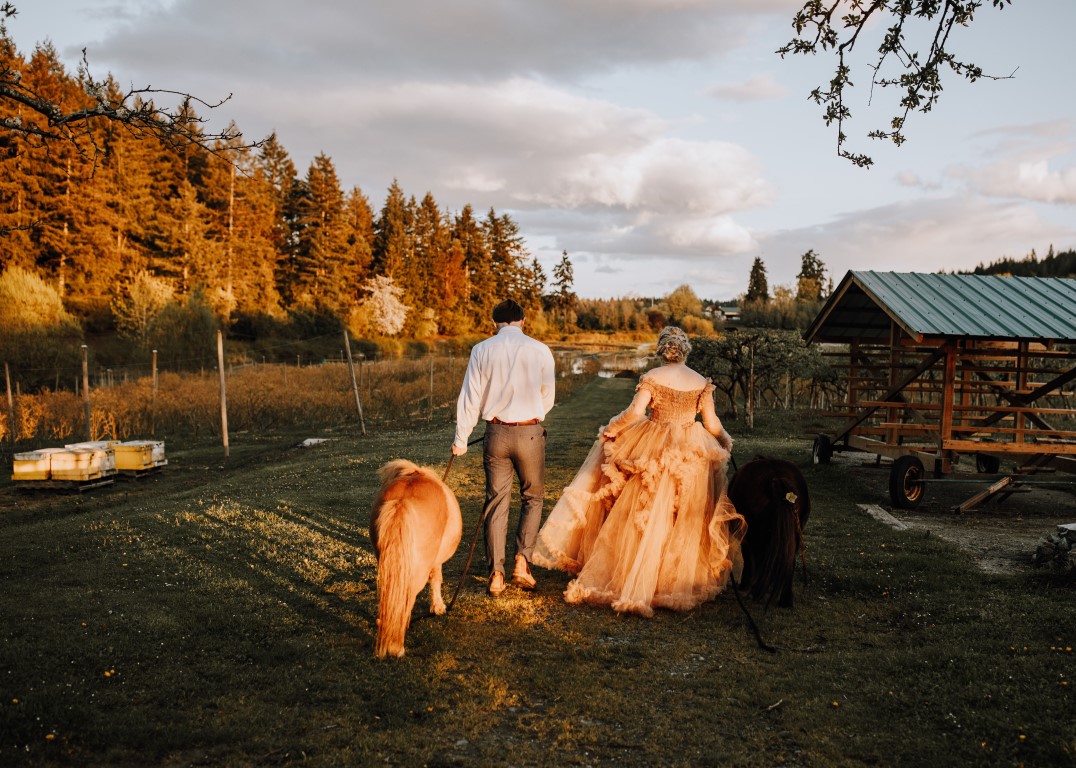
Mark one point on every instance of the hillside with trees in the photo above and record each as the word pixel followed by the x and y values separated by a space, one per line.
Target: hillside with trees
pixel 1052 265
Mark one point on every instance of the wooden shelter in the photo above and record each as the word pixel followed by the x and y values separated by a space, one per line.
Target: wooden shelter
pixel 938 368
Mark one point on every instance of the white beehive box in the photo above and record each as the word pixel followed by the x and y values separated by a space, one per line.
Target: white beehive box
pixel 33 465
pixel 138 455
pixel 83 463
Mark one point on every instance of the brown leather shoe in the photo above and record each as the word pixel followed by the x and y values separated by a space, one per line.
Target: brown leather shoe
pixel 521 576
pixel 496 583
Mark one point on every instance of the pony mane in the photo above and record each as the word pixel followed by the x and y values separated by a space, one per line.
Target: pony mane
pixel 399 468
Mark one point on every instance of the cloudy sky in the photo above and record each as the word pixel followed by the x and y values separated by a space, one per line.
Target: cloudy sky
pixel 658 142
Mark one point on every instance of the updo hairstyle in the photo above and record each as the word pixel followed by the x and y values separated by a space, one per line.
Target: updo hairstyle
pixel 673 346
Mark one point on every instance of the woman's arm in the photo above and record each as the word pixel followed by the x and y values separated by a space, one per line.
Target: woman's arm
pixel 712 423
pixel 633 412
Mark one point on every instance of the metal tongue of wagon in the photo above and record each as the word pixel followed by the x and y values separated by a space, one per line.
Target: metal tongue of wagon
pixel 951 375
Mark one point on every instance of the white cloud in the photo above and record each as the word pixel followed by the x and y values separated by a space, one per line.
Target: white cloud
pixel 759 87
pixel 345 41
pixel 1030 180
pixel 1032 162
pixel 926 235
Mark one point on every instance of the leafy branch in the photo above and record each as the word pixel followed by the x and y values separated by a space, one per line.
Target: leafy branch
pixel 52 121
pixel 920 79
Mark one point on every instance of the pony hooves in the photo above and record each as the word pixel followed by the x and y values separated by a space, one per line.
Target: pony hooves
pixel 396 652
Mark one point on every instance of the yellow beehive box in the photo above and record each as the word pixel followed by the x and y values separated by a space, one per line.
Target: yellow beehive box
pixel 33 465
pixel 136 455
pixel 81 464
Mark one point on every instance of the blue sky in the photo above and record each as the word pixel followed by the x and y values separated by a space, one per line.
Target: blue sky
pixel 658 142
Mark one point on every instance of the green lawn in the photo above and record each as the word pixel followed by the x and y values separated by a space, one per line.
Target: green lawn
pixel 222 613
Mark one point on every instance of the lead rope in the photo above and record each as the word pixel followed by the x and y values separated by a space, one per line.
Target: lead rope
pixel 736 591
pixel 750 621
pixel 474 539
pixel 803 545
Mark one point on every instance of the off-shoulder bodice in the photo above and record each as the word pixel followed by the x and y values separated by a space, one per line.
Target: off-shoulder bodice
pixel 674 406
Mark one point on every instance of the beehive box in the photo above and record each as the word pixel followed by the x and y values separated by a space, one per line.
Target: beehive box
pixel 81 463
pixel 139 455
pixel 33 465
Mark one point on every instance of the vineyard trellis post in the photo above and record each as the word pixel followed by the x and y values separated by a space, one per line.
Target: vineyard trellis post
pixel 86 390
pixel 354 381
pixel 153 400
pixel 223 392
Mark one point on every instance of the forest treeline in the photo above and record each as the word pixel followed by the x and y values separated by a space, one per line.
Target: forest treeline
pixel 243 228
pixel 146 244
pixel 1061 264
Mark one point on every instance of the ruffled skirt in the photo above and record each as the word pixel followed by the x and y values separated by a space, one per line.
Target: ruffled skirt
pixel 646 521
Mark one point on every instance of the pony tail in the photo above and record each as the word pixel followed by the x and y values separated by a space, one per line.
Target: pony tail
pixel 779 561
pixel 396 537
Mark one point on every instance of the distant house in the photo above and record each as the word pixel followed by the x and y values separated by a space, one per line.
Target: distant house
pixel 729 314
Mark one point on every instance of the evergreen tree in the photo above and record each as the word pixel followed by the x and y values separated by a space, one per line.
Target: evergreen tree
pixel 360 220
pixel 811 279
pixel 392 236
pixel 253 229
pixel 478 288
pixel 507 256
pixel 279 173
pixel 532 288
pixel 758 289
pixel 563 299
pixel 429 254
pixel 325 276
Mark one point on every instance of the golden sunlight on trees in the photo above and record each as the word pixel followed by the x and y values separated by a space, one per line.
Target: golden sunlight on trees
pixel 138 304
pixel 39 335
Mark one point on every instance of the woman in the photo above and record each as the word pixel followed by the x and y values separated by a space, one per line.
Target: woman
pixel 646 521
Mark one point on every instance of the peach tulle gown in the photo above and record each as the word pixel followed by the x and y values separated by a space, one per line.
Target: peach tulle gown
pixel 646 521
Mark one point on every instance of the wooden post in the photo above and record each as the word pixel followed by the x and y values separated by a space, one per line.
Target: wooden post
pixel 10 408
pixel 430 418
pixel 354 381
pixel 86 389
pixel 751 389
pixel 153 400
pixel 223 393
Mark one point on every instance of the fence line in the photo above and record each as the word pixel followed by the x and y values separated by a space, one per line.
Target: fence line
pixel 259 398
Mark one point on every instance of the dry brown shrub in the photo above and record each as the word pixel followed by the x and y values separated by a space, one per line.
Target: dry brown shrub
pixel 259 398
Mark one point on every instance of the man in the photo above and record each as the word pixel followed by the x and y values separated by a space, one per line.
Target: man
pixel 509 384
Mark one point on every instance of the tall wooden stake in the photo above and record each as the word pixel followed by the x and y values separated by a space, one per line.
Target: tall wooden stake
pixel 153 400
pixel 354 381
pixel 86 389
pixel 223 392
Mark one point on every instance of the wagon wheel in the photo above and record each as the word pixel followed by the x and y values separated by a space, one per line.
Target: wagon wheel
pixel 987 464
pixel 822 450
pixel 905 482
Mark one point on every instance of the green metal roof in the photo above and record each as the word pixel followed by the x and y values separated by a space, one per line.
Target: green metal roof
pixel 941 305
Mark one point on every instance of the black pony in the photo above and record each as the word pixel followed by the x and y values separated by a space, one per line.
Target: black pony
pixel 772 496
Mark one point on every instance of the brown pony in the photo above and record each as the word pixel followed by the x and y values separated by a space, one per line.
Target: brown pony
pixel 772 496
pixel 415 526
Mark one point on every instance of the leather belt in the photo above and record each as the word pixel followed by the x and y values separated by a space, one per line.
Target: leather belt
pixel 527 423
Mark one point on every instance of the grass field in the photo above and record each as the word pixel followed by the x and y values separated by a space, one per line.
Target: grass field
pixel 221 613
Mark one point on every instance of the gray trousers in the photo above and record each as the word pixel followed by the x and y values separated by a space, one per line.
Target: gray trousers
pixel 509 452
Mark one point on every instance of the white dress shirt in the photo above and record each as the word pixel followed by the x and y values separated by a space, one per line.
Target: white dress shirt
pixel 510 377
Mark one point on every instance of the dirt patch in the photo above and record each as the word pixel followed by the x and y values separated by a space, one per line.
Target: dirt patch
pixel 1000 535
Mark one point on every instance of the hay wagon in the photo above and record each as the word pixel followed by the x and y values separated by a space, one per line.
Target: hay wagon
pixel 949 376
